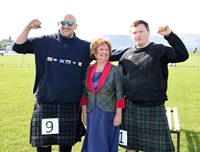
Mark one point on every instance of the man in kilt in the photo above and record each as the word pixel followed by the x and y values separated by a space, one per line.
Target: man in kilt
pixel 61 62
pixel 145 86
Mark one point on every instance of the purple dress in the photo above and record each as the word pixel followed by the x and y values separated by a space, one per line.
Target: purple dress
pixel 101 135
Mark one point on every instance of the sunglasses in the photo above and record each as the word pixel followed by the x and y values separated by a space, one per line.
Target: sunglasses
pixel 69 23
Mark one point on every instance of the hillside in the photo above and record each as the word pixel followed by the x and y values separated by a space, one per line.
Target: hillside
pixel 122 41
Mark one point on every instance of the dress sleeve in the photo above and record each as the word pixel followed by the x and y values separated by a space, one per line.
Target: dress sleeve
pixel 84 93
pixel 83 101
pixel 118 81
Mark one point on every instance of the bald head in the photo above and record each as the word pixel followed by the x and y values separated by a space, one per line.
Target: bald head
pixel 70 16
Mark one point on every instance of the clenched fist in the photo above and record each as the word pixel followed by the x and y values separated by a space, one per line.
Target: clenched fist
pixel 164 30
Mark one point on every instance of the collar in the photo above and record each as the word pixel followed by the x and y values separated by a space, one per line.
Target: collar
pixel 64 39
pixel 144 48
pixel 102 79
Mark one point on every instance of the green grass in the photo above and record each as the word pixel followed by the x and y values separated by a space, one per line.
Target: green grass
pixel 17 100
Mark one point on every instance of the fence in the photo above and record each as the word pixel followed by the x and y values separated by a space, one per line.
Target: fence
pixel 16 59
pixel 27 60
pixel 192 62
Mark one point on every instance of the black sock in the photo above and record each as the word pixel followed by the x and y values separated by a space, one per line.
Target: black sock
pixel 42 149
pixel 65 148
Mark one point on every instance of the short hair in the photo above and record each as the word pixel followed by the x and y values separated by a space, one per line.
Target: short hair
pixel 98 42
pixel 138 22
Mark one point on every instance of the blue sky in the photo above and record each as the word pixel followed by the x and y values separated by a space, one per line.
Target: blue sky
pixel 95 17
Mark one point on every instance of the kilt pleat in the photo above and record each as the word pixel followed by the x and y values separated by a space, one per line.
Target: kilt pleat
pixel 147 128
pixel 71 128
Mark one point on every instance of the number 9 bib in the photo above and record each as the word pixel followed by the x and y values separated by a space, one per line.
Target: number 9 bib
pixel 50 126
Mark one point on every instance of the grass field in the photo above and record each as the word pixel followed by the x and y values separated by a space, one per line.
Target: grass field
pixel 16 103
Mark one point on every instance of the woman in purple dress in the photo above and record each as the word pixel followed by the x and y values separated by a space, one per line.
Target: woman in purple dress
pixel 102 100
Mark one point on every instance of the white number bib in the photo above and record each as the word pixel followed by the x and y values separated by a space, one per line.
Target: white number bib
pixel 50 126
pixel 123 137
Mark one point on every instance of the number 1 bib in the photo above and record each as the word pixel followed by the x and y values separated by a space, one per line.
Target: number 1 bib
pixel 123 137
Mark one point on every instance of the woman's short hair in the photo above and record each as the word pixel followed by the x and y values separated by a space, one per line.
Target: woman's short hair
pixel 98 42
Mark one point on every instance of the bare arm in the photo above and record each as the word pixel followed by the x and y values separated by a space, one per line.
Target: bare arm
pixel 84 107
pixel 118 117
pixel 34 24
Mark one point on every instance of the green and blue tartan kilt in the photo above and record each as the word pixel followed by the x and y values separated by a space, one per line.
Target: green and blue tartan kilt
pixel 71 128
pixel 147 128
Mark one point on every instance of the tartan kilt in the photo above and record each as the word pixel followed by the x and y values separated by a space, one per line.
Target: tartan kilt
pixel 147 128
pixel 71 128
